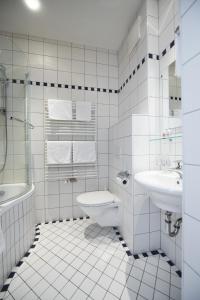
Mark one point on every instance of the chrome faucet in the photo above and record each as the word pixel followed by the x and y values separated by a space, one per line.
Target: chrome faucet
pixel 178 169
pixel 179 172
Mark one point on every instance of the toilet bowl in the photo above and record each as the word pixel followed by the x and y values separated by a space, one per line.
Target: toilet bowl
pixel 101 206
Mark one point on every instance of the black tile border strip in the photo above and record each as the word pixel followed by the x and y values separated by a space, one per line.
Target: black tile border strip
pixel 64 86
pixel 144 254
pixel 35 241
pixel 139 65
pixel 175 98
pixel 149 56
pixel 86 88
pixel 8 281
pixel 163 52
pixel 6 285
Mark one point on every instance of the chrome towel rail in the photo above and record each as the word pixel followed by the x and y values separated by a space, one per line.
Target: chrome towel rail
pixel 22 121
pixel 70 130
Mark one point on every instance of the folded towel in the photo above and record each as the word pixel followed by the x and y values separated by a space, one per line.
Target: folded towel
pixel 60 109
pixel 59 152
pixel 83 111
pixel 2 241
pixel 84 152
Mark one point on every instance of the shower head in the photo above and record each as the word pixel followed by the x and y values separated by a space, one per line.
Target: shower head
pixel 3 78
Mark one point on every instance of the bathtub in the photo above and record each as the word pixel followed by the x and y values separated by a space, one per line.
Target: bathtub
pixel 17 221
pixel 10 194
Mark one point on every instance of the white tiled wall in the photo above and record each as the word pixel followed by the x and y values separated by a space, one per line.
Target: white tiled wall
pixel 120 158
pixel 17 224
pixel 171 151
pixel 15 169
pixel 129 145
pixel 60 62
pixel 191 123
pixel 140 96
pixel 133 97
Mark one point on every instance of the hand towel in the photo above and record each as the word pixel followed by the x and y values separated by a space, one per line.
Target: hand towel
pixel 59 152
pixel 2 241
pixel 83 111
pixel 84 152
pixel 60 109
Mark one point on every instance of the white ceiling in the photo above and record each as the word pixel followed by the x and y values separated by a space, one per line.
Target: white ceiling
pixel 99 23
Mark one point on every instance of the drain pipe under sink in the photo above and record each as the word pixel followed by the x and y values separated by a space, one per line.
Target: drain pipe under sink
pixel 177 224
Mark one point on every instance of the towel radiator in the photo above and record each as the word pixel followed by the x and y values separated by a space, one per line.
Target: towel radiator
pixel 70 130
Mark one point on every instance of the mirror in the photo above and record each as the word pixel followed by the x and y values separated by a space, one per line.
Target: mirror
pixel 174 91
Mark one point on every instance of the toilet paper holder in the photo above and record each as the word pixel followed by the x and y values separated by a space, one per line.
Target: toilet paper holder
pixel 123 177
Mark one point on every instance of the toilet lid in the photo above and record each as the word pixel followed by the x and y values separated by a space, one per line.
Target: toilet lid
pixel 96 198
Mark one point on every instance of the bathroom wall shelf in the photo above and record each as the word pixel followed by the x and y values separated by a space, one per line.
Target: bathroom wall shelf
pixel 70 130
pixel 166 138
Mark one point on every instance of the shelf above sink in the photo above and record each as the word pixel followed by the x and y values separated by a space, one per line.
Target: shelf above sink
pixel 166 138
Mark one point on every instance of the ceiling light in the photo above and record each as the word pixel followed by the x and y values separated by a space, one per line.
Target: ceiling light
pixel 33 4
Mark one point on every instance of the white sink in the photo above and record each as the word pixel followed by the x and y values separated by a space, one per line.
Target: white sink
pixel 163 187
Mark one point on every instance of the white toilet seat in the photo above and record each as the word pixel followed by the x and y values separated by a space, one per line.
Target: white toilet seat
pixel 101 206
pixel 96 199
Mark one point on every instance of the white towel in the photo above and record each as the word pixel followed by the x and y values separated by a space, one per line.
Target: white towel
pixel 59 152
pixel 84 152
pixel 83 111
pixel 2 241
pixel 60 109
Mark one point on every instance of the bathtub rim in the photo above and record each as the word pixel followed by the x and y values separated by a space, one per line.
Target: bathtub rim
pixel 10 203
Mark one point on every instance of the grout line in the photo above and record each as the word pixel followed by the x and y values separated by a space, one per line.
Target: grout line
pixel 118 235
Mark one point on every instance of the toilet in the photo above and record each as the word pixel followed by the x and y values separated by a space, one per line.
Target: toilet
pixel 101 206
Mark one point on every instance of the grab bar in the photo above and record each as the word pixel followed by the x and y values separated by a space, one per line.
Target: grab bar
pixel 22 121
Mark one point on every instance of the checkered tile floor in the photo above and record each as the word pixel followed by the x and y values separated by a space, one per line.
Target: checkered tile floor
pixel 79 260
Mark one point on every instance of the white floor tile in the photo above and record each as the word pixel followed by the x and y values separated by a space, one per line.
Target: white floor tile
pixel 133 284
pixel 128 295
pixel 87 285
pixel 98 293
pixel 116 288
pixel 146 291
pixel 85 268
pixel 121 277
pixel 175 293
pixel 68 290
pixel 79 295
pixel 20 292
pixel 162 286
pixel 136 273
pixel 59 297
pixel 149 279
pixel 59 283
pixel 49 294
pixel 78 278
pixel 30 296
pixel 159 296
pixel 94 274
pixel 110 296
pixel 105 281
pixel 41 287
pixel 69 272
pixel 80 260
